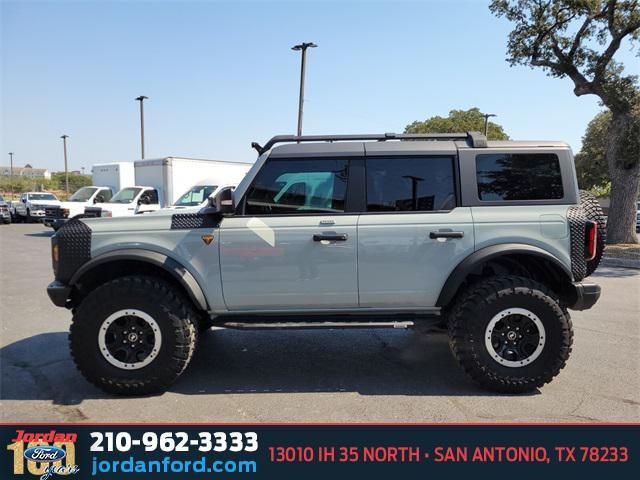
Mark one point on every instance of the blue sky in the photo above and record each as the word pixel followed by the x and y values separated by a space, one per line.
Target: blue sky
pixel 220 75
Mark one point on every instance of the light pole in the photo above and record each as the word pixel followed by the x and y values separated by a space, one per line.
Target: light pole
pixel 66 170
pixel 11 173
pixel 486 121
pixel 141 99
pixel 303 47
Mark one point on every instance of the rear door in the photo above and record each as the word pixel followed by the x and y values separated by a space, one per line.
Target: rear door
pixel 293 244
pixel 413 232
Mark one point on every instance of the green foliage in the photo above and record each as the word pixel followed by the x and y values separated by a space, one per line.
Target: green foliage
pixel 576 39
pixel 75 181
pixel 458 121
pixel 591 162
pixel 603 190
pixel 57 183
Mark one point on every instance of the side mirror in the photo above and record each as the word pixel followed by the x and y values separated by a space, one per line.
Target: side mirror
pixel 144 200
pixel 98 199
pixel 24 200
pixel 222 202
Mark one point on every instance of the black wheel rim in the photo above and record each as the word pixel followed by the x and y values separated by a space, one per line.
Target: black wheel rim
pixel 515 337
pixel 130 339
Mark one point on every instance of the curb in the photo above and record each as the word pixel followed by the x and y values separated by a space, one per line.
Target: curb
pixel 620 262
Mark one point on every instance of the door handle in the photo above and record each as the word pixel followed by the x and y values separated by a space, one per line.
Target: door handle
pixel 333 237
pixel 446 234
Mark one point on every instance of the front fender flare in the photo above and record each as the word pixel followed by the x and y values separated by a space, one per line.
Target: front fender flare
pixel 170 265
pixel 469 264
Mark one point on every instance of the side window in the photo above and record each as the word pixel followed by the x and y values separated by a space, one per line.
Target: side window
pixel 153 196
pixel 106 194
pixel 401 184
pixel 519 176
pixel 289 186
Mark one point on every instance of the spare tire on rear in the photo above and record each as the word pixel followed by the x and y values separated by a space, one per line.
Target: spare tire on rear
pixel 593 211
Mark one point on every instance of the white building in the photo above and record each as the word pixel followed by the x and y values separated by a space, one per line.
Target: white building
pixel 27 171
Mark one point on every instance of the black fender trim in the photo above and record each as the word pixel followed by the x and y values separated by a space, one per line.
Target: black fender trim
pixel 178 271
pixel 469 264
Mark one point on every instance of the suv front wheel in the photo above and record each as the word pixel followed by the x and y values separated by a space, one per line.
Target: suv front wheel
pixel 510 334
pixel 133 336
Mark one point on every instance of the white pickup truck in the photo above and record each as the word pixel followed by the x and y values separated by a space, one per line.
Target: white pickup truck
pixel 128 201
pixel 31 207
pixel 58 215
pixel 198 194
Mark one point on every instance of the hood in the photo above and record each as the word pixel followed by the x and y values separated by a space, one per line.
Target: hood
pixel 44 202
pixel 145 222
pixel 72 205
pixel 117 207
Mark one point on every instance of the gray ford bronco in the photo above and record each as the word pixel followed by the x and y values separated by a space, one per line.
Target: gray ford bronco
pixel 491 239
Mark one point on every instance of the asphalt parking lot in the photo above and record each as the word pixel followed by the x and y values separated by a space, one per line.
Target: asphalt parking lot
pixel 328 375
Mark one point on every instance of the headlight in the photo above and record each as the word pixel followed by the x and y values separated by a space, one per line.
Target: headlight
pixel 106 213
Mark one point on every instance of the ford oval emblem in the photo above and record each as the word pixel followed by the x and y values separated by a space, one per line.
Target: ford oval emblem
pixel 44 454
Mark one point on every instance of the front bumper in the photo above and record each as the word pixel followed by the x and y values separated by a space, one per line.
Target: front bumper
pixel 586 296
pixel 58 293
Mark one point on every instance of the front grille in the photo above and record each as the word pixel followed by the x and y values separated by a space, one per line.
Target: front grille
pixel 4 208
pixel 53 212
pixel 92 212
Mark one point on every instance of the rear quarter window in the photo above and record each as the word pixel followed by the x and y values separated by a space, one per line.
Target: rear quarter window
pixel 518 176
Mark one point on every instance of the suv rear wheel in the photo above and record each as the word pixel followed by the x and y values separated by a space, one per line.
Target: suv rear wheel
pixel 510 334
pixel 133 336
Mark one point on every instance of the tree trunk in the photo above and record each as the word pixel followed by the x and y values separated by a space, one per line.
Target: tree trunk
pixel 624 169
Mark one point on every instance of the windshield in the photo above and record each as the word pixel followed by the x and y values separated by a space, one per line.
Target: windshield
pixel 195 196
pixel 126 195
pixel 42 196
pixel 83 194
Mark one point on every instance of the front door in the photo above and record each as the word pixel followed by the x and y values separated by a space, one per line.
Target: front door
pixel 413 234
pixel 292 246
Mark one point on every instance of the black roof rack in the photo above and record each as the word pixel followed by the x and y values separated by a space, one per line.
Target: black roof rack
pixel 475 139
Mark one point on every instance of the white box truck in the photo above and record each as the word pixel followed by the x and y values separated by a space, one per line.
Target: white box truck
pixel 115 175
pixel 106 179
pixel 173 176
pixel 160 182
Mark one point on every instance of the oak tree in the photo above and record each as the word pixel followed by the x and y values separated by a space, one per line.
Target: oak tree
pixel 458 121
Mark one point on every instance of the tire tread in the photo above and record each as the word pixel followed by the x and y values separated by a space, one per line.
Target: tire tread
pixel 485 292
pixel 183 321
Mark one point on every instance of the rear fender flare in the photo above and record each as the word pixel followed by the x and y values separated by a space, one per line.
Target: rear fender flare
pixel 469 264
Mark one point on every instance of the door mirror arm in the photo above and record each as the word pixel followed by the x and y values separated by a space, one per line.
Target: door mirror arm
pixel 221 203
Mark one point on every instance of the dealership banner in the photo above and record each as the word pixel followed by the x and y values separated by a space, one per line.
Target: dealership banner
pixel 283 451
